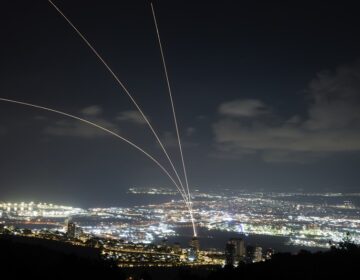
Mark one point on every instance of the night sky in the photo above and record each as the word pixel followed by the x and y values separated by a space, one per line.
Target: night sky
pixel 267 96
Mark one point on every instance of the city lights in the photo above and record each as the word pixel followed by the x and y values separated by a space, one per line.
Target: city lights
pixel 131 235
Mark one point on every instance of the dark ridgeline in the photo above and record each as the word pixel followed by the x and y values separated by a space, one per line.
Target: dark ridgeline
pixel 341 262
pixel 46 259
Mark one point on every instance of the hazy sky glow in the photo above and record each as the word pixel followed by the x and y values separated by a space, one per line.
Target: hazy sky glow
pixel 267 96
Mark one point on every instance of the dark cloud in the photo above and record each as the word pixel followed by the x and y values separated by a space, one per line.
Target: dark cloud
pixel 332 122
pixel 336 99
pixel 76 128
pixel 170 140
pixel 93 110
pixel 243 108
pixel 131 116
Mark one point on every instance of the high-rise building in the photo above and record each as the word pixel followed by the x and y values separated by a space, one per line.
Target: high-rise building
pixel 249 254
pixel 192 254
pixel 72 230
pixel 254 254
pixel 258 257
pixel 240 250
pixel 194 249
pixel 194 242
pixel 230 254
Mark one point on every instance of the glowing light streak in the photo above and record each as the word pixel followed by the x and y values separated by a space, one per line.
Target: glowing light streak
pixel 174 114
pixel 125 90
pixel 104 129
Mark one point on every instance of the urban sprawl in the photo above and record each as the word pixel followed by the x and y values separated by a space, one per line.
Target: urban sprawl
pixel 137 236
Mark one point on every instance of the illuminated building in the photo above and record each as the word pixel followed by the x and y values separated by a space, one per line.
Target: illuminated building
pixel 73 231
pixel 194 249
pixel 192 254
pixel 239 247
pixel 257 254
pixel 194 243
pixel 253 254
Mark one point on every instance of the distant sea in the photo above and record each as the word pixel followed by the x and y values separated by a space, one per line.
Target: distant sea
pixel 217 239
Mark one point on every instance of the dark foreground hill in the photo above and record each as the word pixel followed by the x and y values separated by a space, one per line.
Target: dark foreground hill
pixel 51 259
pixel 338 263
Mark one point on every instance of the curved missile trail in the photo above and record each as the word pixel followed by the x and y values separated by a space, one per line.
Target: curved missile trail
pixel 187 196
pixel 173 111
pixel 123 87
pixel 106 130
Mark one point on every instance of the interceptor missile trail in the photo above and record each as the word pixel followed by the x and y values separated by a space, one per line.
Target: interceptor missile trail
pixel 187 196
pixel 173 111
pixel 123 87
pixel 183 195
